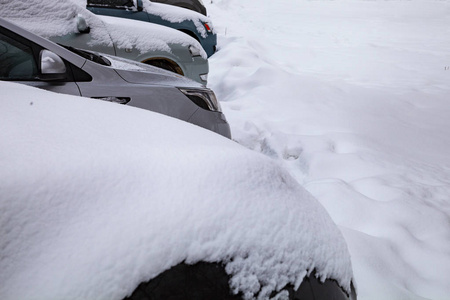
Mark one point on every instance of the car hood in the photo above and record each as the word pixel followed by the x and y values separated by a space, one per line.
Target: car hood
pixel 146 36
pixel 173 13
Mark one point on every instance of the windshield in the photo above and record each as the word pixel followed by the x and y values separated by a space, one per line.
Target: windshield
pixel 89 55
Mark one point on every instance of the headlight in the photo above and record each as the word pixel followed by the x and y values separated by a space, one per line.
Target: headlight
pixel 195 51
pixel 205 98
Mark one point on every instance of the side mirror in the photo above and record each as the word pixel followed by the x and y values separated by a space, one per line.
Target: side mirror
pixel 140 5
pixel 52 66
pixel 82 25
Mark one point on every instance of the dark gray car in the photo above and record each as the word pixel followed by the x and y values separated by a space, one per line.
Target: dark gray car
pixel 35 61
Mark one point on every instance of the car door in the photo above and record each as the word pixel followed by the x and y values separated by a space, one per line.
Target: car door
pixel 19 59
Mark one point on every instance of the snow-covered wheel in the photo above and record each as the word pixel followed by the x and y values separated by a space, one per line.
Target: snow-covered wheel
pixel 206 281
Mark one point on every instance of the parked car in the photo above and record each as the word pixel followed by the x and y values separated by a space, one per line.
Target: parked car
pixel 67 23
pixel 97 198
pixel 33 60
pixel 192 23
pixel 195 5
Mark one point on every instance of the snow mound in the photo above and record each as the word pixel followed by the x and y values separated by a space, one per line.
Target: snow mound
pixel 97 197
pixel 352 98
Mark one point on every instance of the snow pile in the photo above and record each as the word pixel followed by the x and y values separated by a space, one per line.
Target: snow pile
pixel 97 197
pixel 51 19
pixel 352 97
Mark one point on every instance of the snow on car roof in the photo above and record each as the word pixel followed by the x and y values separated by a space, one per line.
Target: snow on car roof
pixel 97 197
pixel 49 18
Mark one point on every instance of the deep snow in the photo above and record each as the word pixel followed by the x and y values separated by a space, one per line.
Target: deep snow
pixel 352 97
pixel 96 197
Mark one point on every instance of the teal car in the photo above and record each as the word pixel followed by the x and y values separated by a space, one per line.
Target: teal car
pixel 190 22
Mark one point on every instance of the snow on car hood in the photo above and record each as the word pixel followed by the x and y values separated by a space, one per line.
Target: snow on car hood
pixel 97 197
pixel 177 15
pixel 147 36
pixel 50 19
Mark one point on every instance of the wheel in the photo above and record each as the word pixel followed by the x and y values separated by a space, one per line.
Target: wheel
pixel 165 64
pixel 202 281
pixel 207 281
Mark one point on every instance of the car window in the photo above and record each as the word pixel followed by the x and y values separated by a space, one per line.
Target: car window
pixel 16 60
pixel 111 3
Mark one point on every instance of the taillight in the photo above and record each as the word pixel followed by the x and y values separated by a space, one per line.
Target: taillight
pixel 208 27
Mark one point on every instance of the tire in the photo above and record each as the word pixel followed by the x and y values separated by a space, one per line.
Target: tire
pixel 165 64
pixel 209 281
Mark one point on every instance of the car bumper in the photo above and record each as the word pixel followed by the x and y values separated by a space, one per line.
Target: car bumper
pixel 214 121
pixel 209 44
pixel 198 69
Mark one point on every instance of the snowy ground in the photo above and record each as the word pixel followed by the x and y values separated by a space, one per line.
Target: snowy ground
pixel 352 97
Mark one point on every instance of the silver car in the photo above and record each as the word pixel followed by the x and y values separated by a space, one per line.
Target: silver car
pixel 67 23
pixel 35 61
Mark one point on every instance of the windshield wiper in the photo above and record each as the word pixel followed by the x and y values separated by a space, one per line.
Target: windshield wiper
pixel 89 55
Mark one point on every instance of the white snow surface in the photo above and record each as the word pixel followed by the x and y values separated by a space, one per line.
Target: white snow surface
pixel 353 98
pixel 96 197
pixel 57 18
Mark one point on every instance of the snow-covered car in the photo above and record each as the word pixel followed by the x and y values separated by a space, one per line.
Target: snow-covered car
pixel 33 60
pixel 66 23
pixel 195 5
pixel 97 198
pixel 190 22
